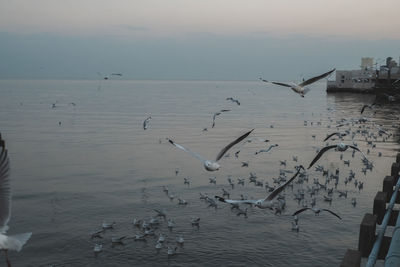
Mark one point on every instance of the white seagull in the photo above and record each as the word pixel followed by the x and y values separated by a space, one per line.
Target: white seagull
pixel 300 88
pixel 339 147
pixel 263 203
pixel 12 242
pixel 146 123
pixel 211 165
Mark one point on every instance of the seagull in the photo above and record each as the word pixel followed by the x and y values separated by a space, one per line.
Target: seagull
pixel 210 165
pixel 12 242
pixel 371 106
pixel 171 251
pixel 106 225
pixel 338 147
pixel 195 222
pixel 295 227
pixel 234 100
pixel 107 76
pixel 264 203
pixel 158 246
pixel 336 133
pixel 97 234
pixel 266 150
pixel 300 88
pixel 146 123
pixel 217 114
pixel 118 240
pixel 171 224
pixel 180 240
pixel 160 213
pixel 316 211
pixel 161 238
pixel 97 248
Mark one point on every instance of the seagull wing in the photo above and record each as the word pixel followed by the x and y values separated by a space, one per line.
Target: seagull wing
pixel 5 188
pixel 314 79
pixel 363 108
pixel 331 212
pixel 329 136
pixel 225 149
pixel 356 148
pixel 232 201
pixel 187 150
pixel 281 84
pixel 300 211
pixel 277 83
pixel 322 151
pixel 280 188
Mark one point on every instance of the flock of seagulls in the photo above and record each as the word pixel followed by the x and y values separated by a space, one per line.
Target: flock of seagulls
pixel 308 189
pixel 276 200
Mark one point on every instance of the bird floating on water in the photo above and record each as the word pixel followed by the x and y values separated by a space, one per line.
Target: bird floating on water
pixel 211 165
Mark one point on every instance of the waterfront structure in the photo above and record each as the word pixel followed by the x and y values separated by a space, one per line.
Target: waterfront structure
pixel 368 79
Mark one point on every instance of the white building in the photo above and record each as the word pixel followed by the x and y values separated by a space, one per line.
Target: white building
pixel 365 79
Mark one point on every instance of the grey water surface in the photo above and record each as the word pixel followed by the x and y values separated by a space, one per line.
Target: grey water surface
pixel 75 166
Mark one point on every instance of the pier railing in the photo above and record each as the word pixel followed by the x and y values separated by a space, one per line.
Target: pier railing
pixel 378 246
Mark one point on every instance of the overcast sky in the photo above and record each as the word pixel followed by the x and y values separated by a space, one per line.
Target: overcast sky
pixel 193 39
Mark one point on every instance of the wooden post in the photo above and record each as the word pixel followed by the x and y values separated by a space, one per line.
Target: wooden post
pixel 388 183
pixel 395 171
pixel 393 217
pixel 352 258
pixel 379 206
pixel 367 234
pixel 398 158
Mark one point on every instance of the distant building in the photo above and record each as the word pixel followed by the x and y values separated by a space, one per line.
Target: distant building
pixel 367 62
pixel 368 78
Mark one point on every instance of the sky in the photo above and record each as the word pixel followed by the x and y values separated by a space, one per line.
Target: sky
pixel 193 40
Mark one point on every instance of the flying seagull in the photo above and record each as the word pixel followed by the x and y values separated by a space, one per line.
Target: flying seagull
pixel 12 242
pixel 336 133
pixel 211 165
pixel 300 88
pixel 369 106
pixel 217 114
pixel 266 150
pixel 339 147
pixel 106 77
pixel 234 100
pixel 146 123
pixel 316 211
pixel 264 203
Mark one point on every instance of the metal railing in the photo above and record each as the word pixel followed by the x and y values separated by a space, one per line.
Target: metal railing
pixel 393 255
pixel 394 250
